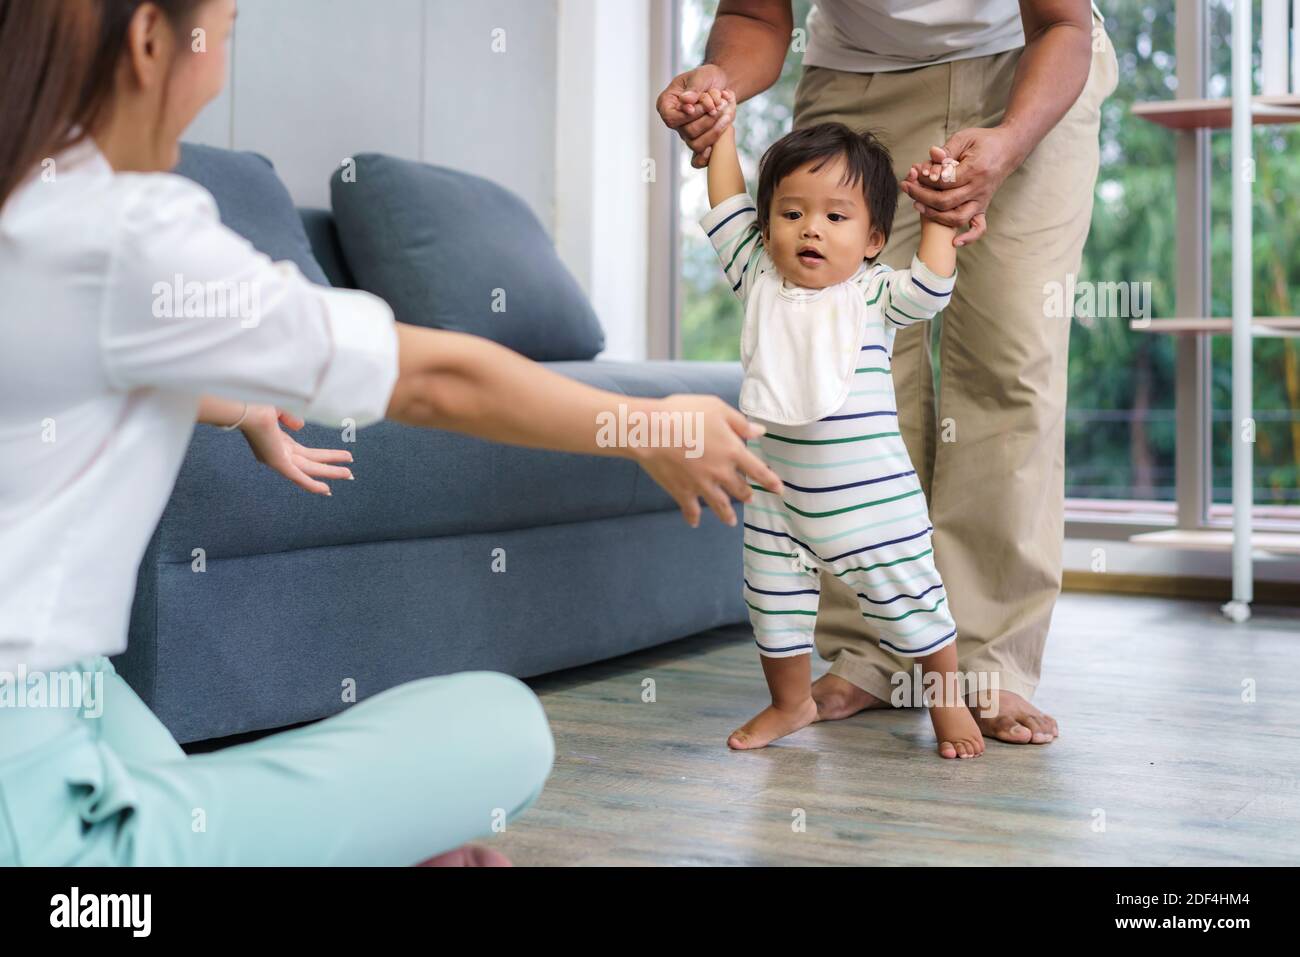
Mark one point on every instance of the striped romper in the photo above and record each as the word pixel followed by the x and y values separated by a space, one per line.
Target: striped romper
pixel 853 505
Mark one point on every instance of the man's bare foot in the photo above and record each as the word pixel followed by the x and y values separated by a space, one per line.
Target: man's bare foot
pixel 470 855
pixel 837 698
pixel 772 723
pixel 1017 721
pixel 956 730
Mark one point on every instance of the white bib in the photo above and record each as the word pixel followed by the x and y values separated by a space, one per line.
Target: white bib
pixel 799 348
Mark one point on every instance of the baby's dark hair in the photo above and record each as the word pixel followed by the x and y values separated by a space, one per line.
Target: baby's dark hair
pixel 866 160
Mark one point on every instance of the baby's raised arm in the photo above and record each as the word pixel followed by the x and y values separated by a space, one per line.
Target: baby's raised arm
pixel 726 178
pixel 936 250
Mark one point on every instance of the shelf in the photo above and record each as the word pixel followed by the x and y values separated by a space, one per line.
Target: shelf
pixel 1273 543
pixel 1217 114
pixel 1260 326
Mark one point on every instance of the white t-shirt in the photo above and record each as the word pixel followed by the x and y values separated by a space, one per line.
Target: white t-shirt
pixel 873 36
pixel 99 385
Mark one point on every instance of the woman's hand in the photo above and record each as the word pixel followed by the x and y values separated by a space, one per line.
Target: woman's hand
pixel 722 466
pixel 277 450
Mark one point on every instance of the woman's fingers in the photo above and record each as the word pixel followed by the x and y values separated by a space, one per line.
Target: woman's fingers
pixel 290 421
pixel 720 502
pixel 331 456
pixel 737 486
pixel 300 478
pixel 690 506
pixel 321 470
pixel 758 470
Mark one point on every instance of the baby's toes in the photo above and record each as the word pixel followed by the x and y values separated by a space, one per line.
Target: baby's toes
pixel 947 749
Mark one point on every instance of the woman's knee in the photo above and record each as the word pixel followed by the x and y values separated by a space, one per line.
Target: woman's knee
pixel 511 718
pixel 529 730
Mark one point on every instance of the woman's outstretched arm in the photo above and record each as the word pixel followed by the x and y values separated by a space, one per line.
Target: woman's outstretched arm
pixel 463 383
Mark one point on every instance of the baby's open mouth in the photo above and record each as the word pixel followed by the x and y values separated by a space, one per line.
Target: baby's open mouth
pixel 807 255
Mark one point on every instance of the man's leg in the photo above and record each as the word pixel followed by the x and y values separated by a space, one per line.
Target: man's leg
pixel 907 111
pixel 998 484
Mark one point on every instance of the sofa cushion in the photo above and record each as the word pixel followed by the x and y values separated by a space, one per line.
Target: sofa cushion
pixel 253 202
pixel 416 483
pixel 455 251
pixel 324 238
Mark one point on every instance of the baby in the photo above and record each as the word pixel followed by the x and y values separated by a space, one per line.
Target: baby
pixel 820 321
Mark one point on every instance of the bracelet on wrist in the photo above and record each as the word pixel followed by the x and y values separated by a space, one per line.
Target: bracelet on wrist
pixel 238 423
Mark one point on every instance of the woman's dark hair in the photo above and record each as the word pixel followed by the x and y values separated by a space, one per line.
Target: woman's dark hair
pixel 866 162
pixel 59 61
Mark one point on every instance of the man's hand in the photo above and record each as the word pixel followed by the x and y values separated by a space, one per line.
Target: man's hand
pixel 985 158
pixel 687 107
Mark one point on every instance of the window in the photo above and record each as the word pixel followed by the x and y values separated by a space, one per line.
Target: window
pixel 710 317
pixel 1121 426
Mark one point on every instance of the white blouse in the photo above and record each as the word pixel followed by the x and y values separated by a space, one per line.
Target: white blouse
pixel 122 300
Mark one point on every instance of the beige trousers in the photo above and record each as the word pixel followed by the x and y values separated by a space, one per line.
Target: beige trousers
pixel 991 455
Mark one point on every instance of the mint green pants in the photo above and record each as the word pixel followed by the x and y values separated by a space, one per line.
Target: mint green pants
pixel 396 779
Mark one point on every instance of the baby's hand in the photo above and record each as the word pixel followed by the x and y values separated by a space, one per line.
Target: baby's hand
pixel 717 101
pixel 941 168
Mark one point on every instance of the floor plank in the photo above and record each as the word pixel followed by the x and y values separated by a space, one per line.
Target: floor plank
pixel 1157 736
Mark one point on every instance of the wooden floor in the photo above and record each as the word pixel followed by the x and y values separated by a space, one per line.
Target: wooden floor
pixel 1155 736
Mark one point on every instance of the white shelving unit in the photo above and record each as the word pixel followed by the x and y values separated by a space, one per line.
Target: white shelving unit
pixel 1241 112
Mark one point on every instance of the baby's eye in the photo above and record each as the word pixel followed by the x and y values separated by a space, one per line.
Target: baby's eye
pixel 791 214
pixel 837 217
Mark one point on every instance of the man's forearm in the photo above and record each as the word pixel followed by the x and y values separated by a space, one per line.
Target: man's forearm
pixel 1052 72
pixel 749 41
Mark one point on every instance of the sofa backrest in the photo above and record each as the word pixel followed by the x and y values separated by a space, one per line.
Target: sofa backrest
pixel 253 202
pixel 445 249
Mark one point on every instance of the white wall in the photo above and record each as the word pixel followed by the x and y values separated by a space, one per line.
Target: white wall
pixel 602 146
pixel 315 81
pixel 549 98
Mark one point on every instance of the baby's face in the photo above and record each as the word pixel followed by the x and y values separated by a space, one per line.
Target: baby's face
pixel 819 229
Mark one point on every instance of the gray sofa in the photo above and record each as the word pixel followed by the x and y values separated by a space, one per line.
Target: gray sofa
pixel 399 574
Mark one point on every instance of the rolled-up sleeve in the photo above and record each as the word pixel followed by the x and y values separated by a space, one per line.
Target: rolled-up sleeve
pixel 362 368
pixel 191 306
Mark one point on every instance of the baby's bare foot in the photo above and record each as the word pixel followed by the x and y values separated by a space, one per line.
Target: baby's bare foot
pixel 773 722
pixel 957 731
